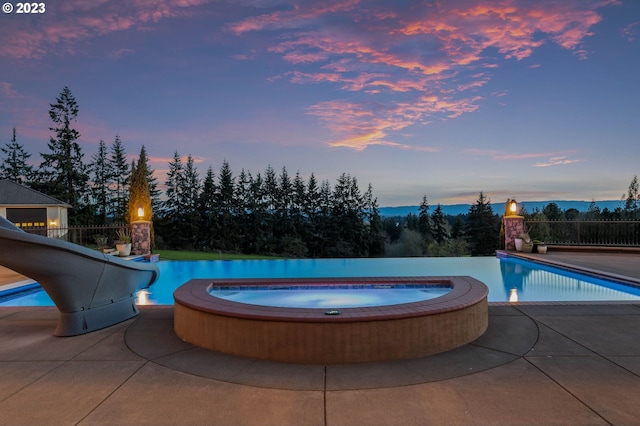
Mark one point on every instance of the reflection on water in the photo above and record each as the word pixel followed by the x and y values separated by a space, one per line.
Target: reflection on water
pixel 142 297
pixel 528 281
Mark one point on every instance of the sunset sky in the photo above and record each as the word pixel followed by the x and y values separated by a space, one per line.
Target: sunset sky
pixel 537 99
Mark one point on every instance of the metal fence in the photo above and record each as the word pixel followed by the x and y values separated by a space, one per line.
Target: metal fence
pixel 100 236
pixel 617 233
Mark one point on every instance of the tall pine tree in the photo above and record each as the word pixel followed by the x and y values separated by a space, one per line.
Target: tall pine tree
pixel 632 199
pixel 102 175
pixel 117 161
pixel 139 195
pixel 15 166
pixel 424 221
pixel 63 173
pixel 438 225
pixel 171 208
pixel 483 228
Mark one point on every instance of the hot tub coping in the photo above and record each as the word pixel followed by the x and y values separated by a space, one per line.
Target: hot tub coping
pixel 465 291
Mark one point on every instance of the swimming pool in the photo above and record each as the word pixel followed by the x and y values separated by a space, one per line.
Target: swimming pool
pixel 508 279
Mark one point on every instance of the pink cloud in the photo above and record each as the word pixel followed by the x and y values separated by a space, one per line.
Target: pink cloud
pixel 414 61
pixel 402 66
pixel 74 21
pixel 298 15
pixel 359 125
pixel 551 158
pixel 630 32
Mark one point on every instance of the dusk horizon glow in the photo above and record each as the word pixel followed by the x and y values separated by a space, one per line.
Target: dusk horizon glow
pixel 536 100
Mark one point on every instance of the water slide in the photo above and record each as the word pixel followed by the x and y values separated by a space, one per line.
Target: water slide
pixel 92 290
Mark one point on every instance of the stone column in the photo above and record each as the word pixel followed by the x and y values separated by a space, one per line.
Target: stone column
pixel 513 227
pixel 141 237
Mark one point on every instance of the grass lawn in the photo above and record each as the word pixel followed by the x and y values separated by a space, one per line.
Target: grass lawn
pixel 198 255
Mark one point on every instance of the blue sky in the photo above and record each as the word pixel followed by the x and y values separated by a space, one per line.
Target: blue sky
pixel 536 100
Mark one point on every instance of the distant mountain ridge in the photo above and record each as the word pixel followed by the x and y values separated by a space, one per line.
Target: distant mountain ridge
pixel 530 206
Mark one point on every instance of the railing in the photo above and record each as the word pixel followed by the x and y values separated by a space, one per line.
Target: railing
pixel 93 236
pixel 619 233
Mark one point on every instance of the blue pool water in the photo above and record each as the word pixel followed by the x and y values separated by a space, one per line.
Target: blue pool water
pixel 333 296
pixel 507 279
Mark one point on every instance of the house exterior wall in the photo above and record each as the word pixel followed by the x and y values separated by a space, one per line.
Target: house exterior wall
pixel 57 217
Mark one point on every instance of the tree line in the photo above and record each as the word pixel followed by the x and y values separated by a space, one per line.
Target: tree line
pixel 264 213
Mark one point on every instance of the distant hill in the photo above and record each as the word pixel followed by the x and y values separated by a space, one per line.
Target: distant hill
pixel 530 206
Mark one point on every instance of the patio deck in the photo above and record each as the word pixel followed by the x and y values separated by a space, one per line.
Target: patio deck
pixel 569 364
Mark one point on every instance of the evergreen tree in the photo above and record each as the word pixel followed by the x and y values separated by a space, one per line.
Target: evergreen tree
pixel 553 212
pixel 283 225
pixel 438 227
pixel 457 229
pixel 347 227
pixel 299 206
pixel 424 221
pixel 312 201
pixel 482 228
pixel 375 237
pixel 152 181
pixel 270 201
pixel 63 173
pixel 323 236
pixel 191 189
pixel 225 207
pixel 257 236
pixel 206 212
pixel 288 216
pixel 311 211
pixel 189 194
pixel 15 166
pixel 102 174
pixel 593 212
pixel 270 189
pixel 171 207
pixel 139 195
pixel 243 209
pixel 119 166
pixel 632 199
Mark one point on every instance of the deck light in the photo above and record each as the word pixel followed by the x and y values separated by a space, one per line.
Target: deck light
pixel 512 206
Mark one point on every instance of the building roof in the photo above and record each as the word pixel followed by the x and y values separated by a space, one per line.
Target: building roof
pixel 12 193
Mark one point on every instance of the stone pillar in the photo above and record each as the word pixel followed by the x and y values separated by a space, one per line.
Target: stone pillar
pixel 141 237
pixel 513 227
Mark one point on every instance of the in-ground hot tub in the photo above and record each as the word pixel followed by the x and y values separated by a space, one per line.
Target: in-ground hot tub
pixel 328 336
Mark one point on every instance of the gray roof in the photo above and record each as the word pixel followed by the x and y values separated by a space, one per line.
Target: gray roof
pixel 12 193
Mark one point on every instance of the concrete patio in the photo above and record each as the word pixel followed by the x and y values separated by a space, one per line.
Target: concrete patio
pixel 565 364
